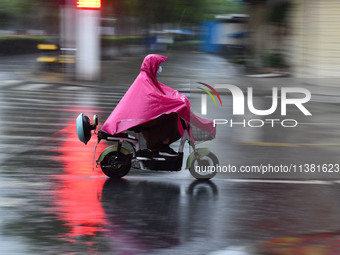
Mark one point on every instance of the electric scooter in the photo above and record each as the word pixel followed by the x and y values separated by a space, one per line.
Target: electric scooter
pixel 116 160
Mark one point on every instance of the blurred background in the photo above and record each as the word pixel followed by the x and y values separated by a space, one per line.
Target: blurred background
pixel 264 36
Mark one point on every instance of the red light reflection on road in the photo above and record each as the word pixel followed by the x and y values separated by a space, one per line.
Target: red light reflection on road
pixel 79 205
pixel 76 156
pixel 78 197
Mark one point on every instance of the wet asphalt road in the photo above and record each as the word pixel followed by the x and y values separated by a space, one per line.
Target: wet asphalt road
pixel 52 202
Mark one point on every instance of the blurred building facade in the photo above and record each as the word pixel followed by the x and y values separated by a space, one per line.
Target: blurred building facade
pixel 314 43
pixel 304 32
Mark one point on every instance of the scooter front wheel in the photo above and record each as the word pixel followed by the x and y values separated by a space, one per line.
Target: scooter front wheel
pixel 116 164
pixel 204 167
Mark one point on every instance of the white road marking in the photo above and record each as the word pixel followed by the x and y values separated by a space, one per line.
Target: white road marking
pixel 33 86
pixel 276 181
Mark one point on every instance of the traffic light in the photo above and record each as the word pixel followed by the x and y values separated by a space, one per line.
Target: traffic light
pixel 88 4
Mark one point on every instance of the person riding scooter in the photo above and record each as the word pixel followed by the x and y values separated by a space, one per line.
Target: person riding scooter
pixel 154 108
pixel 162 115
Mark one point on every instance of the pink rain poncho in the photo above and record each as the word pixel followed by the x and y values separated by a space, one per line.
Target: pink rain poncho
pixel 147 99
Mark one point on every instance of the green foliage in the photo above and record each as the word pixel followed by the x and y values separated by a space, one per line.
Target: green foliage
pixel 215 7
pixel 238 61
pixel 109 41
pixel 11 45
pixel 22 13
pixel 9 10
pixel 274 60
pixel 173 11
pixel 44 15
pixel 277 14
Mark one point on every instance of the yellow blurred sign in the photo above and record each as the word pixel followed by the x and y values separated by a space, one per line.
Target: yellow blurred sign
pixel 42 46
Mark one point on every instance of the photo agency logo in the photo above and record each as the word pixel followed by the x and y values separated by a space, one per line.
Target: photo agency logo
pixel 204 97
pixel 288 96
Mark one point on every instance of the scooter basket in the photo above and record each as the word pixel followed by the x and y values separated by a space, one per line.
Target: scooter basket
pixel 199 134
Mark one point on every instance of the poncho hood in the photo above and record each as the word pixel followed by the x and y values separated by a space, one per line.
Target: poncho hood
pixel 150 66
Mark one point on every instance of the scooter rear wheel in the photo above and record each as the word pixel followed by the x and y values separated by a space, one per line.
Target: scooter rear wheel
pixel 204 167
pixel 116 164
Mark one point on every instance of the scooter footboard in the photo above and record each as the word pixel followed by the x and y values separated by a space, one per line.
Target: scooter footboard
pixel 168 164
